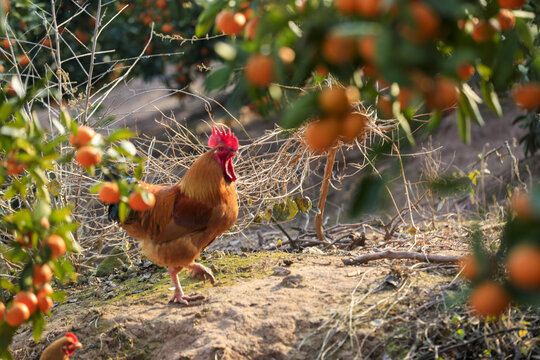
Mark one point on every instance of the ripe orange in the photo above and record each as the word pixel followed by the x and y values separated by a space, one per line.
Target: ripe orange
pixel 57 245
pixel 425 23
pixel 2 311
pixel 6 44
pixel 2 68
pixel 24 60
pixel 161 4
pixel 27 298
pixel 167 28
pixel 384 105
pixel 521 204
pixel 334 101
pixel 346 6
pixel 137 203
pixel 368 8
pixel 42 274
pixel 13 165
pixel 353 126
pixel 82 36
pixel 85 134
pixel 251 28
pixel 443 94
pixel 338 50
pixel 109 193
pixel 286 54
pixel 88 156
pixel 464 70
pixel 17 314
pixel 322 134
pixel 468 267
pixel 45 290
pixel 366 46
pixel 405 97
pixel 489 299
pixel 230 23
pixel 46 42
pixel 260 70
pixel 45 303
pixel 512 4
pixel 524 266
pixel 321 70
pixel 483 31
pixel 527 96
pixel 506 19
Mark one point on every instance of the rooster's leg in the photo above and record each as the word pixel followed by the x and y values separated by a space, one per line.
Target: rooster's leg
pixel 178 292
pixel 205 272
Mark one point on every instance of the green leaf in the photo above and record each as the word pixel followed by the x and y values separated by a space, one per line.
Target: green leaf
pixel 58 296
pixel 524 33
pixel 403 122
pixel 292 208
pixel 490 97
pixel 206 19
pixel 38 324
pixel 218 78
pixel 470 102
pixel 120 134
pixel 123 211
pixel 434 121
pixel 41 210
pixel 301 110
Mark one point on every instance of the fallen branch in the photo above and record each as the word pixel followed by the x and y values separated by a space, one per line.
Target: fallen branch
pixel 362 259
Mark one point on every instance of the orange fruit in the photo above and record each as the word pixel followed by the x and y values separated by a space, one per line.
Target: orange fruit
pixel 13 165
pixel 483 31
pixel 338 50
pixel 464 70
pixel 2 68
pixel 251 28
pixel 425 23
pixel 167 28
pixel 443 95
pixel 512 4
pixel 88 156
pixel 322 134
pixel 27 298
pixel 527 96
pixel 346 6
pixel 109 193
pixel 521 204
pixel 6 44
pixel 45 290
pixel 260 70
pixel 46 42
pixel 2 311
pixel 45 303
pixel 506 19
pixel 161 4
pixel 57 245
pixel 468 267
pixel 230 23
pixel 353 126
pixel 334 101
pixel 489 299
pixel 384 105
pixel 137 203
pixel 524 266
pixel 17 314
pixel 405 97
pixel 42 274
pixel 321 70
pixel 85 134
pixel 286 54
pixel 368 8
pixel 82 36
pixel 24 60
pixel 367 46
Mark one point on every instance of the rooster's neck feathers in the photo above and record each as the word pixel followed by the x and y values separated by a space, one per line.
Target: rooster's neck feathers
pixel 204 181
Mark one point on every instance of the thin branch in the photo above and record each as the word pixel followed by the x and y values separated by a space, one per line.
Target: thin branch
pixel 362 259
pixel 92 58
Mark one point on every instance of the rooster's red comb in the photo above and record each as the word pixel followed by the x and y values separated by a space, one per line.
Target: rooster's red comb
pixel 223 137
pixel 72 336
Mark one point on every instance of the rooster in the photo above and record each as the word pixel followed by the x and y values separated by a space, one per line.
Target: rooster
pixel 61 348
pixel 188 216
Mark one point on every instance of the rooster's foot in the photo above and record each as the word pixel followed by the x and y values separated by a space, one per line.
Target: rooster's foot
pixel 202 271
pixel 184 299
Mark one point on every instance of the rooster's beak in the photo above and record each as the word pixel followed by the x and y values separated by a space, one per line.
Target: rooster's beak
pixel 78 345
